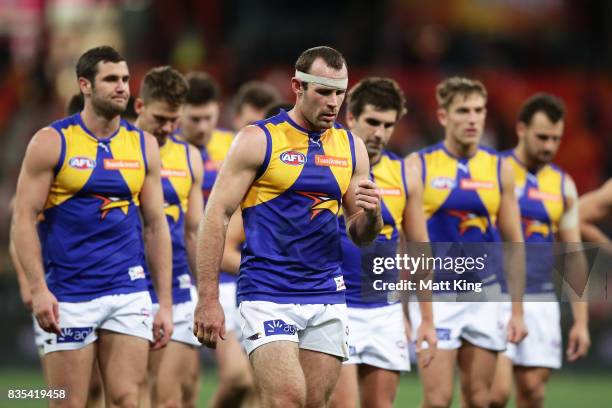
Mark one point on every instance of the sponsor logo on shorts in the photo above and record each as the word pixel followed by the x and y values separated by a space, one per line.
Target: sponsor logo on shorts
pixel 339 282
pixel 82 163
pixel 184 281
pixel 167 173
pixel 136 272
pixel 117 164
pixel 471 184
pixel 74 334
pixel 539 195
pixel 293 158
pixel 278 326
pixel 442 183
pixel 443 334
pixel 330 161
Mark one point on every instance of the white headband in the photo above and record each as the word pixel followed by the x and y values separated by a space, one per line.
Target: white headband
pixel 341 83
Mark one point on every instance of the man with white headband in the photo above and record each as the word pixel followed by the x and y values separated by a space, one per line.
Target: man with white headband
pixel 290 174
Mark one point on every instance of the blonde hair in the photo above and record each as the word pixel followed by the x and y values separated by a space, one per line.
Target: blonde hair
pixel 451 87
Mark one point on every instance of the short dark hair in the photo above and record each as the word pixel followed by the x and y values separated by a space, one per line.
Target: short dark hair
pixel 202 89
pixel 87 65
pixel 164 83
pixel 75 104
pixel 451 87
pixel 382 93
pixel 332 57
pixel 275 109
pixel 257 94
pixel 552 106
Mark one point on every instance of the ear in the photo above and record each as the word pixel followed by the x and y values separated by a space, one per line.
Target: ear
pixel 296 86
pixel 350 119
pixel 521 130
pixel 85 86
pixel 442 116
pixel 138 106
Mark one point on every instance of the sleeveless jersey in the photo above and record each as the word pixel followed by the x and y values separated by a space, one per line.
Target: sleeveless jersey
pixel 388 174
pixel 177 179
pixel 292 252
pixel 461 198
pixel 542 201
pixel 91 234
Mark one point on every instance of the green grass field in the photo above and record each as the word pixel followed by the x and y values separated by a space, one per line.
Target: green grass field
pixel 565 389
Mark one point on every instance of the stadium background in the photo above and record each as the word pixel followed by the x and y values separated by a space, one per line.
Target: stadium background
pixel 516 47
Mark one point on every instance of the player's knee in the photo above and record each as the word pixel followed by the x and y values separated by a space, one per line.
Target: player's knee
pixel 290 397
pixel 126 398
pixel 531 394
pixel 238 383
pixel 478 399
pixel 439 399
pixel 500 396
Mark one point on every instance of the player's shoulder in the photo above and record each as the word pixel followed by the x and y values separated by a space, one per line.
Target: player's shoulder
pixel 430 149
pixel 489 150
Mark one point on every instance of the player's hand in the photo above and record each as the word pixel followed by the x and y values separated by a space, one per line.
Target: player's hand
pixel 517 330
pixel 426 333
pixel 368 197
pixel 162 327
pixel 578 342
pixel 209 323
pixel 46 310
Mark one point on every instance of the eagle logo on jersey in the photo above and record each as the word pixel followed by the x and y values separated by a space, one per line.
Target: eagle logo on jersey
pixel 321 202
pixel 531 226
pixel 469 220
pixel 108 203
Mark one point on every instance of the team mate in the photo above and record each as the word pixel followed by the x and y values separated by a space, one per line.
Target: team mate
pixel 291 173
pixel 174 370
pixel 378 346
pixel 548 202
pixel 251 102
pixel 91 177
pixel 468 193
pixel 595 207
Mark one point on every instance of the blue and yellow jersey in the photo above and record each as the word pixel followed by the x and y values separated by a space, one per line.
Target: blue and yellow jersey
pixel 461 198
pixel 292 252
pixel 212 157
pixel 177 179
pixel 389 175
pixel 541 198
pixel 91 234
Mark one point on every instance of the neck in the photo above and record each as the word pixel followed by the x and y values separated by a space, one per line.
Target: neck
pixel 521 154
pixel 375 158
pixel 458 149
pixel 296 115
pixel 102 127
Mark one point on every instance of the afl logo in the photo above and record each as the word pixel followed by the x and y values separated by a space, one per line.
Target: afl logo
pixel 293 158
pixel 82 163
pixel 443 183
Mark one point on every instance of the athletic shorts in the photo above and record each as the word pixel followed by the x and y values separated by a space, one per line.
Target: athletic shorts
pixel 129 314
pixel 317 327
pixel 182 317
pixel 542 347
pixel 377 337
pixel 482 324
pixel 227 298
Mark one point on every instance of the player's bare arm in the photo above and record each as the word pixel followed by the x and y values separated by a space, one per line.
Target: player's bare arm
pixel 157 243
pixel 514 264
pixel 595 206
pixel 195 207
pixel 22 280
pixel 414 227
pixel 35 179
pixel 235 177
pixel 233 238
pixel 579 339
pixel 362 201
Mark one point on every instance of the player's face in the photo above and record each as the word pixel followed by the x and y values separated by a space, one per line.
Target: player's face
pixel 157 117
pixel 110 91
pixel 464 119
pixel 541 137
pixel 247 115
pixel 374 127
pixel 320 104
pixel 199 121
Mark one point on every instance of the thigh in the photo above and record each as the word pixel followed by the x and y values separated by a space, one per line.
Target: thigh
pixel 477 368
pixel 438 377
pixel 174 371
pixel 530 378
pixel 232 361
pixel 321 372
pixel 346 392
pixel 377 386
pixel 123 363
pixel 70 370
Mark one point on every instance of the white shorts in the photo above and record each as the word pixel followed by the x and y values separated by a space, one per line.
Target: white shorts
pixel 80 321
pixel 227 298
pixel 316 327
pixel 542 347
pixel 480 323
pixel 182 317
pixel 377 338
